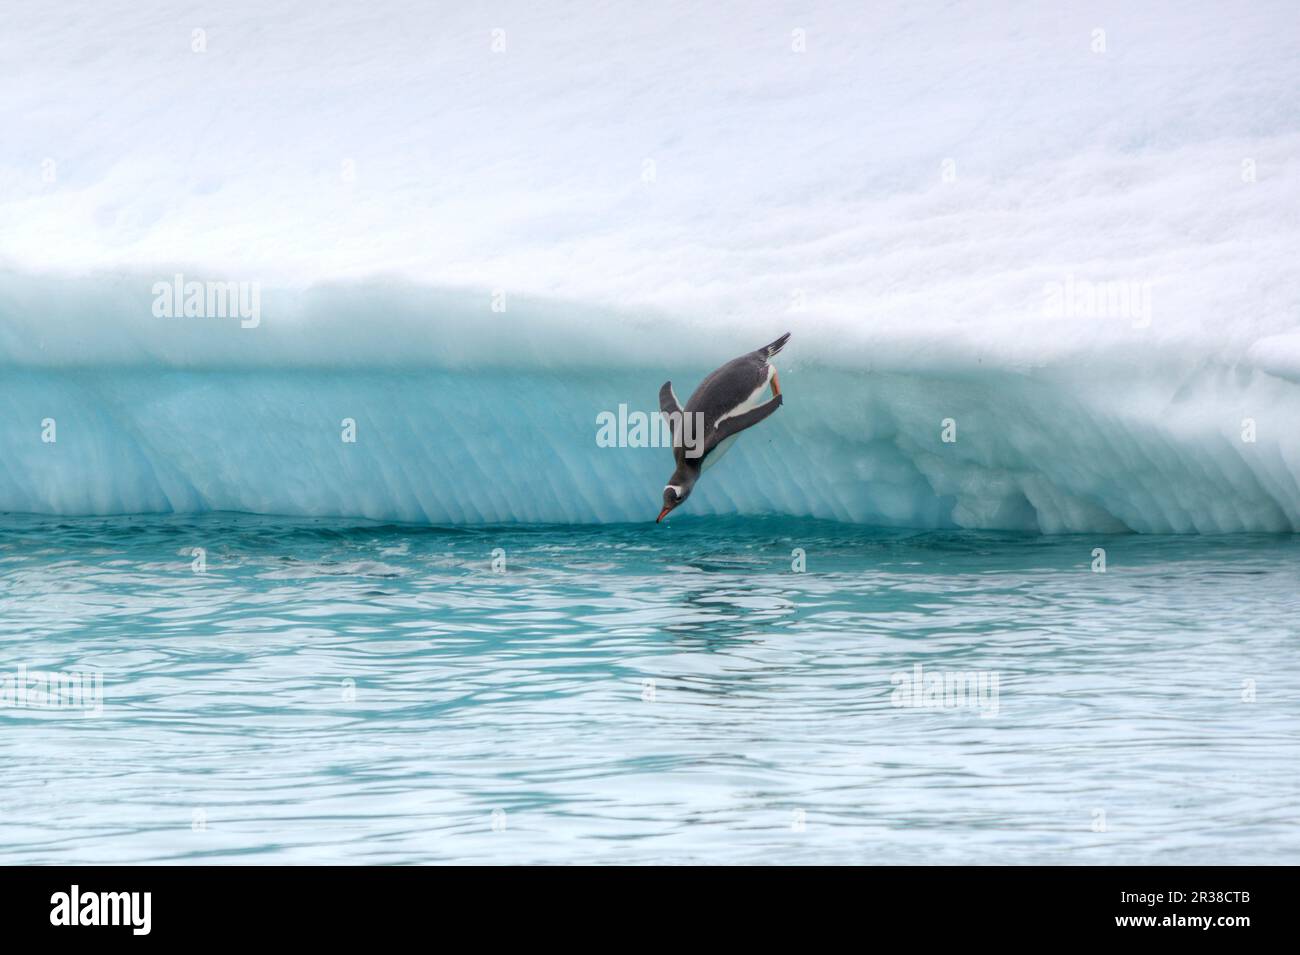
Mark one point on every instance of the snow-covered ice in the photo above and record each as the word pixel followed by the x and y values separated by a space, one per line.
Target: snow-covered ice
pixel 1078 246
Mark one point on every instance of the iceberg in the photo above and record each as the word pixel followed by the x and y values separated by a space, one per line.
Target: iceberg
pixel 1038 265
pixel 395 402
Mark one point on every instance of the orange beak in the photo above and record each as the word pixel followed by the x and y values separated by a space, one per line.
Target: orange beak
pixel 661 514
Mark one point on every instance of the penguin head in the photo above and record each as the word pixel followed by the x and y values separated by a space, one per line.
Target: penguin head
pixel 674 494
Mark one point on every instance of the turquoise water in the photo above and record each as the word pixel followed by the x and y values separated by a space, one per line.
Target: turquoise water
pixel 628 694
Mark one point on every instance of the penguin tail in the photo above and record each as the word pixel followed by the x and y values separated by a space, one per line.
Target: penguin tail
pixel 770 350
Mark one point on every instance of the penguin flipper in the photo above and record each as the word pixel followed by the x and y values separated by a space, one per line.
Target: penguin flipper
pixel 668 402
pixel 671 409
pixel 729 427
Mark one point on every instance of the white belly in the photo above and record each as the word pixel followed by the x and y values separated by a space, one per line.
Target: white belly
pixel 716 454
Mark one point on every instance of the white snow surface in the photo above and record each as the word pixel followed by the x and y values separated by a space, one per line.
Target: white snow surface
pixel 650 190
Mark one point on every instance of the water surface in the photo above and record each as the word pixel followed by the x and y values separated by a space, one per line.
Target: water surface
pixel 345 692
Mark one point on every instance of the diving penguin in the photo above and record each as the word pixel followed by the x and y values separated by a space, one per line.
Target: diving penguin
pixel 725 404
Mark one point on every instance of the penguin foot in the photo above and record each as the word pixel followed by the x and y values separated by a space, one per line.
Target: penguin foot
pixel 776 384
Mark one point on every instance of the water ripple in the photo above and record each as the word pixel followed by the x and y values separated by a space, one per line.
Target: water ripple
pixel 364 693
